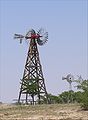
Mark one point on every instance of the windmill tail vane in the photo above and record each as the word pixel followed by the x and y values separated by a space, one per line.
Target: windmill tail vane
pixel 17 36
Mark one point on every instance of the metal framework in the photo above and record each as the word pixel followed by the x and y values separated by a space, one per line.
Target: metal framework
pixel 32 84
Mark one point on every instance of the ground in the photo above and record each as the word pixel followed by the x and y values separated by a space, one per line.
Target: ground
pixel 42 112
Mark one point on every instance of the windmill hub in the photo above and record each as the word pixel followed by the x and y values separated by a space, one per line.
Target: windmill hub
pixel 33 36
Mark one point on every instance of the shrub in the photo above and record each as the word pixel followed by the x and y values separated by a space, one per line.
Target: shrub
pixel 84 86
pixel 67 96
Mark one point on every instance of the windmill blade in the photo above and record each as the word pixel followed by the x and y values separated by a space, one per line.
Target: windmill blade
pixel 80 78
pixel 44 37
pixel 39 41
pixel 30 32
pixel 41 31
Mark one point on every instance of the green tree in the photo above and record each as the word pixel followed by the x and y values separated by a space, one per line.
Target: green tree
pixel 84 87
pixel 67 96
pixel 78 96
pixel 52 99
pixel 30 87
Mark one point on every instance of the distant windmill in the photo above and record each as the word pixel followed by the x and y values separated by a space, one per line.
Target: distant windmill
pixel 70 79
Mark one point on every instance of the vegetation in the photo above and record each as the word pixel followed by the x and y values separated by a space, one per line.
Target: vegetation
pixel 30 87
pixel 71 96
pixel 84 98
pixel 63 98
pixel 66 97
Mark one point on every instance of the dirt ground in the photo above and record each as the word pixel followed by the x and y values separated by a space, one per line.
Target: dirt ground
pixel 42 112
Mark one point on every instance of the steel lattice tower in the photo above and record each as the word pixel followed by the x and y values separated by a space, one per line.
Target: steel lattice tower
pixel 32 84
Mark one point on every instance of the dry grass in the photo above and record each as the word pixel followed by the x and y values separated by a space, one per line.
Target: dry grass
pixel 42 112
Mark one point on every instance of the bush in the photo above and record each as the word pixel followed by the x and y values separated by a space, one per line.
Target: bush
pixel 84 86
pixel 53 99
pixel 67 96
pixel 85 101
pixel 78 96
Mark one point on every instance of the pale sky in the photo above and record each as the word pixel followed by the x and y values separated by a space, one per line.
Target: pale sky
pixel 66 49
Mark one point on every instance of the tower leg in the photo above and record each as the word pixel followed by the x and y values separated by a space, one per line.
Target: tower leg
pixel 19 97
pixel 26 98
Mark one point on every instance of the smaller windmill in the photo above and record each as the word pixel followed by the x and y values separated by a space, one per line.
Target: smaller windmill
pixel 70 79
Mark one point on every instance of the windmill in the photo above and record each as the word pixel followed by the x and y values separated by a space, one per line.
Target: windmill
pixel 32 84
pixel 70 79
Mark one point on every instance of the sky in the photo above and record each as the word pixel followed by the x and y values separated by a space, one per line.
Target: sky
pixel 64 53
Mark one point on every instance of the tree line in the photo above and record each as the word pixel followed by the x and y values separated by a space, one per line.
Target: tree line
pixel 81 96
pixel 65 97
